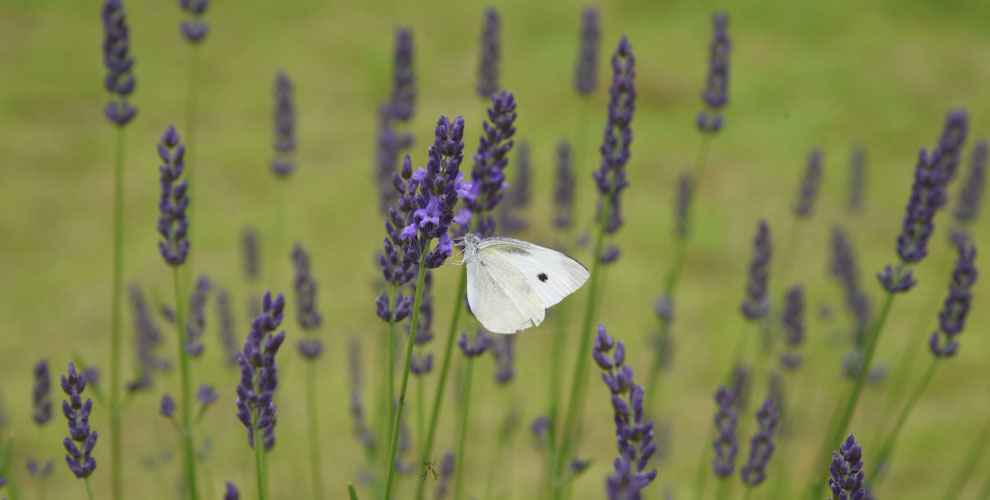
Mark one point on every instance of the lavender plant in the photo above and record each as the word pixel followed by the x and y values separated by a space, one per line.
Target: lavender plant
pixel 227 330
pixel 489 54
pixel 41 414
pixel 196 324
pixel 846 471
pixel 792 322
pixel 147 339
pixel 726 444
pixel 761 446
pixel 971 192
pixel 283 162
pixel 81 441
pixel 309 348
pixel 586 70
pixel 397 110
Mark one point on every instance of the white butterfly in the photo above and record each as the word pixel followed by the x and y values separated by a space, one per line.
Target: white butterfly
pixel 511 283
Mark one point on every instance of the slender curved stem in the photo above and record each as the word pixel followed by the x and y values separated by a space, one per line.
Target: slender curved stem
pixel 883 455
pixel 116 444
pixel 192 102
pixel 462 432
pixel 89 489
pixel 315 455
pixel 420 409
pixel 258 455
pixel 397 420
pixel 189 454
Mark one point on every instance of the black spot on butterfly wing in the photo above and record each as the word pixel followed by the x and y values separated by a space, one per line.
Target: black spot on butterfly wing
pixel 543 277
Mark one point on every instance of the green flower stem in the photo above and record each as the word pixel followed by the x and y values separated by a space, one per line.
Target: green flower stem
pixel 885 450
pixel 116 445
pixel 420 409
pixel 980 446
pixel 724 488
pixel 843 415
pixel 351 492
pixel 397 420
pixel 89 489
pixel 462 432
pixel 259 453
pixel 189 454
pixel 388 398
pixel 192 102
pixel 315 455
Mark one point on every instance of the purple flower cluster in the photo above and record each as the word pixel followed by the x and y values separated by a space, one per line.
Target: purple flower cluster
pixel 563 191
pixel 41 400
pixel 761 445
pixel 285 127
pixel 231 492
pixel 843 267
pixel 932 174
pixel 952 318
pixel 228 336
pixel 971 192
pixel 119 79
pixel 586 70
pixel 422 363
pixel 611 176
pixel 684 191
pixel 173 225
pixel 259 375
pixel 488 63
pixel 193 28
pixel 857 178
pixel 756 303
pixel 792 321
pixel 809 185
pixel 716 92
pixel 487 184
pixel 306 313
pixel 633 432
pixel 79 445
pixel 481 342
pixel 726 444
pixel 503 349
pixel 147 339
pixel 196 324
pixel 846 470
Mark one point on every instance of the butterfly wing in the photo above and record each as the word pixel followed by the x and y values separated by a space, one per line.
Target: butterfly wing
pixel 550 273
pixel 500 296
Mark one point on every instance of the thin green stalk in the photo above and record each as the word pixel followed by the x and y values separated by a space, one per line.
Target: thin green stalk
pixel 397 420
pixel 89 489
pixel 116 445
pixel 556 371
pixel 189 455
pixel 258 455
pixel 389 396
pixel 192 102
pixel 844 415
pixel 749 491
pixel 883 455
pixel 351 492
pixel 462 432
pixel 969 465
pixel 315 457
pixel 278 223
pixel 420 409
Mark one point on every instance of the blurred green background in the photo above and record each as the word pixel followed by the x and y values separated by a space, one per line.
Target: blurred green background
pixel 804 74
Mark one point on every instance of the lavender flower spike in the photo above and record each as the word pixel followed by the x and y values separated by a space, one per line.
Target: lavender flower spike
pixel 488 64
pixel 305 287
pixel 147 339
pixel 41 400
pixel 193 28
pixel 563 192
pixel 726 445
pixel 285 127
pixel 755 304
pixel 792 321
pixel 488 173
pixel 173 225
pixel 952 318
pixel 761 446
pixel 716 92
pixel 228 336
pixel 846 470
pixel 403 102
pixel 809 185
pixel 119 79
pixel 79 445
pixel 196 324
pixel 586 71
pixel 259 374
pixel 971 192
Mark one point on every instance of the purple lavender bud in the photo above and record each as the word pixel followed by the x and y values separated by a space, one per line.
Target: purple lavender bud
pixel 540 429
pixel 360 429
pixel 285 127
pixel 488 173
pixel 206 395
pixel 403 100
pixel 259 374
pixel 119 78
pixel 586 70
pixel 563 192
pixel 725 443
pixel 310 349
pixel 479 347
pixel 809 185
pixel 952 318
pixel 609 255
pixel 167 406
pixel 228 335
pixel 716 92
pixel 503 349
pixel 447 465
pixel 172 222
pixel 421 364
pixel 664 308
pixel 577 466
pixel 41 395
pixel 193 28
pixel 249 253
pixel 792 322
pixel 684 190
pixel 843 267
pixel 147 340
pixel 488 63
pixel 305 286
pixel 196 325
pixel 231 493
pixel 756 303
pixel 846 470
pixel 971 192
pixel 79 445
pixel 611 175
pixel 857 179
pixel 760 446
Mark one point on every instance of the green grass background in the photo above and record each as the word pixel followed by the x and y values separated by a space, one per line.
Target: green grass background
pixel 804 74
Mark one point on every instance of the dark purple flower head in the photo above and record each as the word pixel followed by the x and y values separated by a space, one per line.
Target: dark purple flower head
pixel 843 267
pixel 761 445
pixel 586 70
pixel 563 191
pixel 167 407
pixel 41 400
pixel 487 185
pixel 259 374
pixel 403 101
pixel 361 431
pixel 611 175
pixel 716 92
pixel 756 303
pixel 194 29
pixel 228 335
pixel 846 470
pixel 481 343
pixel 684 191
pixel 147 339
pixel 857 178
pixel 488 63
pixel 196 324
pixel 79 445
pixel 726 444
pixel 173 225
pixel 249 253
pixel 952 318
pixel 792 322
pixel 285 127
pixel 305 286
pixel 503 349
pixel 206 395
pixel 540 429
pixel 421 364
pixel 809 185
pixel 231 492
pixel 971 192
pixel 119 78
pixel 633 431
